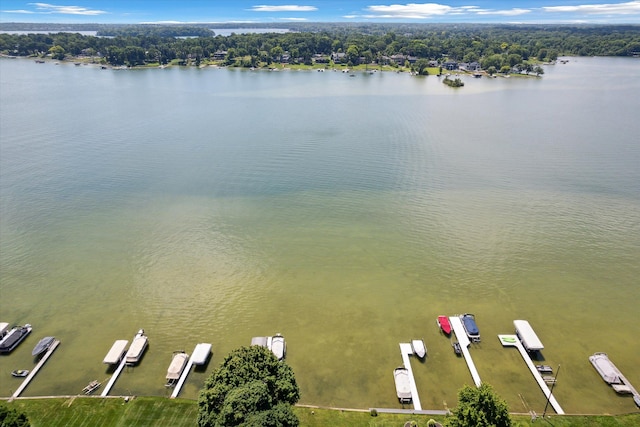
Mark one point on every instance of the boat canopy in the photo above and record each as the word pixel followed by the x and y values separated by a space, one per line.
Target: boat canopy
pixel 117 351
pixel 4 327
pixel 605 368
pixel 177 365
pixel 201 354
pixel 470 324
pixel 526 334
pixel 261 341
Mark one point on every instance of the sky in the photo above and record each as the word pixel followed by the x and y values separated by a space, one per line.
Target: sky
pixel 268 11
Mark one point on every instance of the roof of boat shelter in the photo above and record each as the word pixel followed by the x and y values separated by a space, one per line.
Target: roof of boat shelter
pixel 115 354
pixel 201 353
pixel 528 337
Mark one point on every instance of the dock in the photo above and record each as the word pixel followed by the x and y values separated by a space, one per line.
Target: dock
pixel 35 370
pixel 406 350
pixel 463 339
pixel 513 341
pixel 114 377
pixel 199 356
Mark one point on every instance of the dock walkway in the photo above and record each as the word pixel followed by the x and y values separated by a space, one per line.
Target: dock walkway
pixel 406 350
pixel 114 377
pixel 463 339
pixel 513 341
pixel 35 370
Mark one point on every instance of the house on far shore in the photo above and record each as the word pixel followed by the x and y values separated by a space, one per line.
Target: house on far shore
pixel 219 55
pixel 450 65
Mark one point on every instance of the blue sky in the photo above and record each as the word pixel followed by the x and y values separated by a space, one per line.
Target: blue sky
pixel 266 11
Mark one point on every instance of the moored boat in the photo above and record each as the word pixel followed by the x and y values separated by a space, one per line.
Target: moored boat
pixel 419 348
pixel 457 349
pixel 403 388
pixel 278 346
pixel 19 373
pixel 138 346
pixel 12 338
pixel 610 374
pixel 470 327
pixel 42 346
pixel 91 387
pixel 444 324
pixel 178 363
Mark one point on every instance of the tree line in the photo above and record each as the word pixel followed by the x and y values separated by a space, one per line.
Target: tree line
pixel 497 46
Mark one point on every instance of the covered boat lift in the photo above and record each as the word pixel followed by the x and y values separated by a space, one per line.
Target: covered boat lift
pixel 116 353
pixel 199 356
pixel 527 336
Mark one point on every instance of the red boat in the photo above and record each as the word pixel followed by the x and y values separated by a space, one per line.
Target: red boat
pixel 443 323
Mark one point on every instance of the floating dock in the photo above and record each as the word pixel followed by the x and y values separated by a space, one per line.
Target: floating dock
pixel 35 370
pixel 513 341
pixel 463 339
pixel 199 356
pixel 406 350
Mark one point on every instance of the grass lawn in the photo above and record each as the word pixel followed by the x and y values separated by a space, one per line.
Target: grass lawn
pixel 160 411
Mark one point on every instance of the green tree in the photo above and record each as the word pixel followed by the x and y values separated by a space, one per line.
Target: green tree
pixel 12 418
pixel 479 407
pixel 421 66
pixel 250 388
pixel 57 52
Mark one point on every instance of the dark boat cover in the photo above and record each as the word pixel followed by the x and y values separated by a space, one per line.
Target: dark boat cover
pixel 470 325
pixel 14 339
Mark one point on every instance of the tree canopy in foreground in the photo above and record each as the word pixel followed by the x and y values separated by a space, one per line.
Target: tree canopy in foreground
pixel 480 407
pixel 250 388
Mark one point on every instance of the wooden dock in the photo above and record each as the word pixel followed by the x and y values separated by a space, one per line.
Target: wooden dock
pixel 35 370
pixel 406 350
pixel 513 341
pixel 463 339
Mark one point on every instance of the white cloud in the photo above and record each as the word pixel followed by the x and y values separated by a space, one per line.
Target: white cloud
pixel 283 8
pixel 628 8
pixel 430 10
pixel 17 11
pixel 66 10
pixel 294 19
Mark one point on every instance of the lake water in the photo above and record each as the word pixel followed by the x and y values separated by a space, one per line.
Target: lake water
pixel 347 213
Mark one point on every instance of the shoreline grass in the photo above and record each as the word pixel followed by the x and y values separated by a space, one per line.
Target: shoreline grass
pixel 80 411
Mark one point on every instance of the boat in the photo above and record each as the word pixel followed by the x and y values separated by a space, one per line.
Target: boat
pixel 470 327
pixel 178 363
pixel 138 346
pixel 91 387
pixel 42 346
pixel 609 373
pixel 116 352
pixel 457 349
pixel 19 373
pixel 403 389
pixel 444 324
pixel 544 369
pixel 419 348
pixel 278 346
pixel 12 338
pixel 4 328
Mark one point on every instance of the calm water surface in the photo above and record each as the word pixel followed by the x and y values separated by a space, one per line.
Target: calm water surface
pixel 212 205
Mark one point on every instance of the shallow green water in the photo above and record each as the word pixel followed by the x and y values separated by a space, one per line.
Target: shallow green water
pixel 346 213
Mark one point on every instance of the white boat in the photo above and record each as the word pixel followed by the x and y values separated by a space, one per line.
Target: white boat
pixel 42 346
pixel 403 388
pixel 609 373
pixel 117 351
pixel 278 346
pixel 178 363
pixel 11 339
pixel 91 387
pixel 201 354
pixel 138 346
pixel 470 327
pixel 419 348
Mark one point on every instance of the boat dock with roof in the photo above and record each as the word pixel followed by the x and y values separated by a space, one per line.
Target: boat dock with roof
pixel 527 336
pixel 116 353
pixel 612 376
pixel 50 349
pixel 199 356
pixel 117 346
pixel 463 339
pixel 514 341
